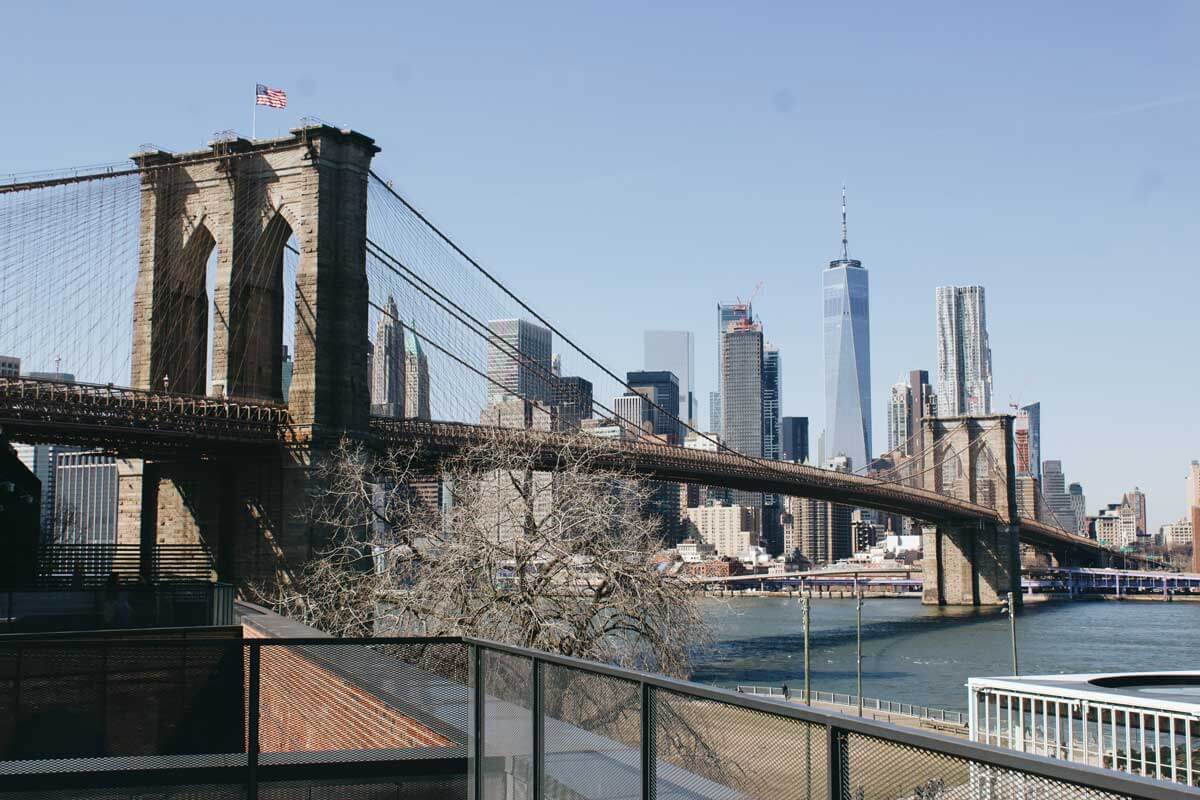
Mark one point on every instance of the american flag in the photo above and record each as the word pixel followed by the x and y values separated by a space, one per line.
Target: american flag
pixel 266 96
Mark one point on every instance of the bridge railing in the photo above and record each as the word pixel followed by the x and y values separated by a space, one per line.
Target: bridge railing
pixel 102 396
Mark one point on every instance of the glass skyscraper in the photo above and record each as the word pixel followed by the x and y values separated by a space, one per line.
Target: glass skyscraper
pixel 726 314
pixel 794 439
pixel 772 390
pixel 519 354
pixel 742 395
pixel 847 357
pixel 663 388
pixel 674 352
pixel 964 356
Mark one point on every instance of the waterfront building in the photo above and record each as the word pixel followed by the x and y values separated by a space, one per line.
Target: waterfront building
pixel 387 364
pixel 1176 534
pixel 674 352
pixel 1105 527
pixel 693 552
pixel 85 498
pixel 519 354
pixel 416 378
pixel 662 389
pixel 820 531
pixel 847 335
pixel 794 439
pixel 742 396
pixel 1133 514
pixel 10 367
pixel 964 355
pixel 729 529
pixel 1027 440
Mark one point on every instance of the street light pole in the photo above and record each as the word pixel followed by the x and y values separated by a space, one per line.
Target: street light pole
pixel 858 655
pixel 1010 608
pixel 805 599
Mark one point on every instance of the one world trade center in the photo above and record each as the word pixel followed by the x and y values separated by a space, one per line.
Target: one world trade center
pixel 847 357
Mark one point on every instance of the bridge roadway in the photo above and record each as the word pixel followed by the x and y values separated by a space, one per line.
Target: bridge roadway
pixel 147 424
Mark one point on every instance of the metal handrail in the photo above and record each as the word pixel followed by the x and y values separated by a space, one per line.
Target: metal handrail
pixel 869 703
pixel 835 768
pixel 838 724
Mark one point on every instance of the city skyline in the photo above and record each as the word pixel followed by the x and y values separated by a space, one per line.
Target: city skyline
pixel 705 178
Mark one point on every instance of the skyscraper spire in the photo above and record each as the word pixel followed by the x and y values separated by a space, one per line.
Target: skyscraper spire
pixel 845 247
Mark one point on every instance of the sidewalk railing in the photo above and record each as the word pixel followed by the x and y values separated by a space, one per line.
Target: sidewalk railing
pixel 869 704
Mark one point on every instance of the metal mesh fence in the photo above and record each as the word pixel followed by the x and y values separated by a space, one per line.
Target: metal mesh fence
pixel 93 698
pixel 876 768
pixel 591 734
pixel 381 719
pixel 407 788
pixel 508 726
pixel 353 697
pixel 712 749
pixel 146 792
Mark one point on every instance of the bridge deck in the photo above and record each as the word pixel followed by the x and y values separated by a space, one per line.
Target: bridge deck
pixel 139 422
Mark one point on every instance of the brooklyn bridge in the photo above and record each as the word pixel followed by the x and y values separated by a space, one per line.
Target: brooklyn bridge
pixel 181 284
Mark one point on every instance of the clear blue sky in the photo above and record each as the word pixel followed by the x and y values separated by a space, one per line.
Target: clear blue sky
pixel 627 167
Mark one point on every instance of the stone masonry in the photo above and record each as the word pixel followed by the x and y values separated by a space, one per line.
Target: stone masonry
pixel 244 201
pixel 971 563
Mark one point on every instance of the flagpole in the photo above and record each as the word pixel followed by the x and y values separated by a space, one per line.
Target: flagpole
pixel 254 116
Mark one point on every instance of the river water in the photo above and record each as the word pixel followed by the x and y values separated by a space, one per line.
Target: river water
pixel 923 654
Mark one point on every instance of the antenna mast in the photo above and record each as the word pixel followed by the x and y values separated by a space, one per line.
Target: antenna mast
pixel 845 247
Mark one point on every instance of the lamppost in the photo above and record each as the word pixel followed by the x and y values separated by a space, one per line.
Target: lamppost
pixel 1010 608
pixel 858 654
pixel 805 599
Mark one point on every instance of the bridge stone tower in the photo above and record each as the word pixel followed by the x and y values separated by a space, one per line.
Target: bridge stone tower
pixel 245 200
pixel 971 562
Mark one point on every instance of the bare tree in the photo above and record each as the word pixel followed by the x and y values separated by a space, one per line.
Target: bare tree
pixel 545 550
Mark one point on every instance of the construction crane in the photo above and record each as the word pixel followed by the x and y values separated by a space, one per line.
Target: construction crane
pixel 753 295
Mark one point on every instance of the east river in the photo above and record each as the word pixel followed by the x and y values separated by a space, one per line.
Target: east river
pixel 924 655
